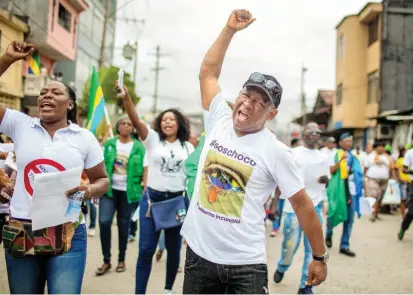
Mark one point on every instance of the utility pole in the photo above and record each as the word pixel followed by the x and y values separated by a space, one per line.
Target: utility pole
pixel 157 69
pixel 135 21
pixel 135 62
pixel 105 29
pixel 303 99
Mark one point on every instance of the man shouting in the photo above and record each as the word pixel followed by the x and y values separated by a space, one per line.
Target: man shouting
pixel 240 165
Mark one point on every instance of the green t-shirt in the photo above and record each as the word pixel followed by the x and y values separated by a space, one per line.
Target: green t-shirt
pixel 191 166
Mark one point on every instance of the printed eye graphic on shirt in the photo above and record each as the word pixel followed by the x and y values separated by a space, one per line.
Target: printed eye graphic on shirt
pixel 171 164
pixel 120 166
pixel 223 184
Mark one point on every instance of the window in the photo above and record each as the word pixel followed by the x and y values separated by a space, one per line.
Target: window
pixel 373 88
pixel 373 31
pixel 65 18
pixel 340 47
pixel 339 94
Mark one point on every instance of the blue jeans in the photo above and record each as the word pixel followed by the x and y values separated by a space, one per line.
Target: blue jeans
pixel 347 225
pixel 92 214
pixel 292 239
pixel 107 208
pixel 277 223
pixel 63 273
pixel 148 241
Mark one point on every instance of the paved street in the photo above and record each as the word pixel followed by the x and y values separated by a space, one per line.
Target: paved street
pixel 383 265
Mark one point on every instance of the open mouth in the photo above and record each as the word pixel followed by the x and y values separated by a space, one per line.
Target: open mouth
pixel 46 106
pixel 242 116
pixel 168 128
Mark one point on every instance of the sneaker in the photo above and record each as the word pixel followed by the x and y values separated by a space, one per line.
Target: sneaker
pixel 278 276
pixel 305 290
pixel 91 232
pixel 167 291
pixel 347 252
pixel 131 238
pixel 401 234
pixel 329 242
pixel 273 233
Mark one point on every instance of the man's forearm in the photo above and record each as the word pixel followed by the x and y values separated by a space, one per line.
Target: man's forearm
pixel 311 226
pixel 212 63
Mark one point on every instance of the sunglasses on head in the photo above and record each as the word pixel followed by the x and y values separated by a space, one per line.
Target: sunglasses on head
pixel 269 85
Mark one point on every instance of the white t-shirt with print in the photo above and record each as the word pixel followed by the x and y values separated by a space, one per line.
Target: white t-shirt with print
pixel 36 152
pixel 166 162
pixel 378 170
pixel 312 164
pixel 225 221
pixel 120 167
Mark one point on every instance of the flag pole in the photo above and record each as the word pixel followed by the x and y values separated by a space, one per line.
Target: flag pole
pixel 107 119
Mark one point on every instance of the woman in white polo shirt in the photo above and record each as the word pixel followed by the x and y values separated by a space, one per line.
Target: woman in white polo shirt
pixel 167 147
pixel 50 143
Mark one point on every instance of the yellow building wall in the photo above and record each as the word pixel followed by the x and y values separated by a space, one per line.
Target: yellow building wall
pixel 11 84
pixel 352 71
pixel 373 65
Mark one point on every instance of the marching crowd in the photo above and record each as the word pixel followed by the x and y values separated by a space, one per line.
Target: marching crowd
pixel 210 197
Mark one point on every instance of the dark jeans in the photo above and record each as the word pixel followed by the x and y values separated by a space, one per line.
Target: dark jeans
pixel 92 214
pixel 133 227
pixel 347 225
pixel 148 241
pixel 107 208
pixel 205 277
pixel 63 273
pixel 409 216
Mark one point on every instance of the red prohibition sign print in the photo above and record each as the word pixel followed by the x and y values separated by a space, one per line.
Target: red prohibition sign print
pixel 32 166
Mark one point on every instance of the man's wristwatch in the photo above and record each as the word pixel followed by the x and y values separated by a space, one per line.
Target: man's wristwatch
pixel 323 258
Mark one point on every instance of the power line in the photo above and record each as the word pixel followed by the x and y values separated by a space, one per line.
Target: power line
pixel 120 7
pixel 157 69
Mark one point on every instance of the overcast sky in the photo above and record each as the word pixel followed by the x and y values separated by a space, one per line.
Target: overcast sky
pixel 286 35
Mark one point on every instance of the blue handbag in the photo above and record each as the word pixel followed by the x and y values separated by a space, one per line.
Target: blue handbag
pixel 169 213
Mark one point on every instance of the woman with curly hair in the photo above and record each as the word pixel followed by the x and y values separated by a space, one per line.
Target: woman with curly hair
pixel 167 148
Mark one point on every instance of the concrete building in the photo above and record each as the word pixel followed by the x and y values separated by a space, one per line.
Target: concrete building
pixel 11 84
pixel 396 105
pixel 54 32
pixel 90 31
pixel 357 73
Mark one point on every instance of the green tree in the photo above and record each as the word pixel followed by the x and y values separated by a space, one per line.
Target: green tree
pixel 108 77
